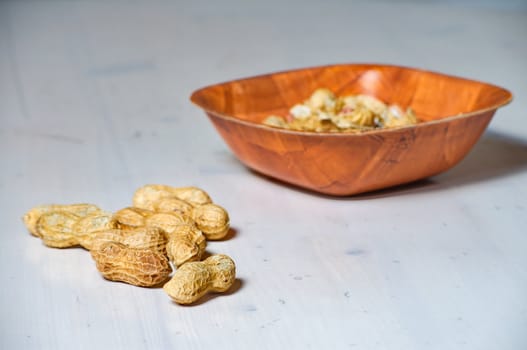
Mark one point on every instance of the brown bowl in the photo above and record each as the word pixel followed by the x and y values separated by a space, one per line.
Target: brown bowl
pixel 454 111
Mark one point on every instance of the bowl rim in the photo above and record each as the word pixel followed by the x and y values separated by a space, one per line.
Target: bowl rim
pixel 193 98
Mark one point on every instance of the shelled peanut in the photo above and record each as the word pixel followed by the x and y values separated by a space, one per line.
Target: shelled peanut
pixel 136 244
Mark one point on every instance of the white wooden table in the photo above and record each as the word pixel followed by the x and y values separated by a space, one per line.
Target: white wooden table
pixel 94 103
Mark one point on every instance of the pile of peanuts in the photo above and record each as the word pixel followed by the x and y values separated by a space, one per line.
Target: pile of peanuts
pixel 165 226
pixel 323 111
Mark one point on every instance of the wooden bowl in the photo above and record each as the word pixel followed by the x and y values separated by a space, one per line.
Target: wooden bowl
pixel 454 111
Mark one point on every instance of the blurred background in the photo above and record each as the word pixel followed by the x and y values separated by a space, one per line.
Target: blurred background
pixel 98 69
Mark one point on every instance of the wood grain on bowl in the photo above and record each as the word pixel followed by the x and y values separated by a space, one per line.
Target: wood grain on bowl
pixel 454 111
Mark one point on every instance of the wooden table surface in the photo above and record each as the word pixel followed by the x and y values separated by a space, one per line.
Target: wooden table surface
pixel 94 103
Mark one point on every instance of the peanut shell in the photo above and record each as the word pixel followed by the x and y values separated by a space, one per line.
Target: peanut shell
pixel 140 238
pixel 94 222
pixel 140 267
pixel 31 217
pixel 212 220
pixel 146 196
pixel 193 280
pixel 186 243
pixel 172 205
pixel 168 222
pixel 131 217
pixel 56 229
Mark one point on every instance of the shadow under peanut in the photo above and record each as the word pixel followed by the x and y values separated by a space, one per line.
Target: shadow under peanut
pixel 233 232
pixel 236 286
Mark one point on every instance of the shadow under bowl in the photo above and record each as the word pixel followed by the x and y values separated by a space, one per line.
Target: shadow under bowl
pixel 454 113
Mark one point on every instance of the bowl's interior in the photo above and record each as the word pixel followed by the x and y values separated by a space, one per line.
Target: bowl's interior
pixel 431 95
